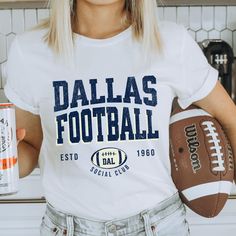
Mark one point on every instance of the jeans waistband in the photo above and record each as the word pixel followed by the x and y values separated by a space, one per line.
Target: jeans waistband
pixel 135 222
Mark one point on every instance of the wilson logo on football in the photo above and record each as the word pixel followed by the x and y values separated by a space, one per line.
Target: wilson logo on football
pixel 7 163
pixel 109 158
pixel 193 144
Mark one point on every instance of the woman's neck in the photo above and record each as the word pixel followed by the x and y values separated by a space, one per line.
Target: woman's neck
pixel 99 21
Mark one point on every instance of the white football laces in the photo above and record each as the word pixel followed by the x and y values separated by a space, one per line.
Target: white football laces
pixel 218 156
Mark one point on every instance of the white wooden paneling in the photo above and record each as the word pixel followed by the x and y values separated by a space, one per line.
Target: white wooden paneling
pixel 30 18
pixel 160 13
pixel 2 74
pixel 227 35
pixel 214 34
pixel 20 219
pixel 220 18
pixel 42 14
pixel 183 16
pixel 231 18
pixel 223 224
pixel 195 22
pixel 5 19
pixel 201 35
pixel 208 18
pixel 18 21
pixel 234 42
pixel 216 230
pixel 170 14
pixel 3 48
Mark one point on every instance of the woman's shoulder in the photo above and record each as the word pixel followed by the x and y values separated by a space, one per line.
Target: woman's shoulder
pixel 172 35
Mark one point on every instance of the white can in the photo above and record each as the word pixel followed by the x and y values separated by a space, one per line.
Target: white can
pixel 9 171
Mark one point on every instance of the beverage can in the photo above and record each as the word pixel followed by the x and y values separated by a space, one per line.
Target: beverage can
pixel 9 171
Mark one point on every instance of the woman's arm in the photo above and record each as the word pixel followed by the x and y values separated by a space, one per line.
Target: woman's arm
pixel 219 104
pixel 29 134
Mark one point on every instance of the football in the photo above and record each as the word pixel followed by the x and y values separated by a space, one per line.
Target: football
pixel 109 158
pixel 201 157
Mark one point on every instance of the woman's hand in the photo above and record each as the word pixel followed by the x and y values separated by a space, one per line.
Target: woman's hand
pixel 29 140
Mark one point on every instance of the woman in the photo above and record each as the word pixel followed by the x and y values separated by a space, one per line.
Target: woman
pixel 93 87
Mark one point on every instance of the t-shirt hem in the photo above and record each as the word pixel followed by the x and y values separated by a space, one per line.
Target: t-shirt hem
pixel 207 87
pixel 16 100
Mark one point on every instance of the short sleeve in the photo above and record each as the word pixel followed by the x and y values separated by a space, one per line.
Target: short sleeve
pixel 17 88
pixel 198 77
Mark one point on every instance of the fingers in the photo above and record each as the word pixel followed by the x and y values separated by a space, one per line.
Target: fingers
pixel 20 134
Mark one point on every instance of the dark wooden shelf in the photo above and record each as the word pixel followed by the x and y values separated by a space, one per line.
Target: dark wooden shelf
pixel 22 201
pixel 4 4
pixel 196 3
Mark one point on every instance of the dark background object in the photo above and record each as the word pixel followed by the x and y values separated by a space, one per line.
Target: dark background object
pixel 220 55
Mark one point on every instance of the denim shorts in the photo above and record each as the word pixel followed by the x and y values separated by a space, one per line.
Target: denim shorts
pixel 166 218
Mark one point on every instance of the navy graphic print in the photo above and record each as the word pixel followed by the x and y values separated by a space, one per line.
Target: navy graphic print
pixel 101 110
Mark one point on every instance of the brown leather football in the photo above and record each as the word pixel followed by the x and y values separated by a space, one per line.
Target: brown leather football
pixel 202 165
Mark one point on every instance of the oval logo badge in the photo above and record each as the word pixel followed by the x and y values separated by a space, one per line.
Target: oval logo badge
pixel 109 158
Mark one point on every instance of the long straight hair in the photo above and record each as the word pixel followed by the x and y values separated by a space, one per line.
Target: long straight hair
pixel 141 14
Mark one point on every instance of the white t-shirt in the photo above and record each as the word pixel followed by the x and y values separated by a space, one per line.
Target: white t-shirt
pixel 105 151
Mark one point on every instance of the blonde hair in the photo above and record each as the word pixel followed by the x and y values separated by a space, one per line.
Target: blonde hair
pixel 140 13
